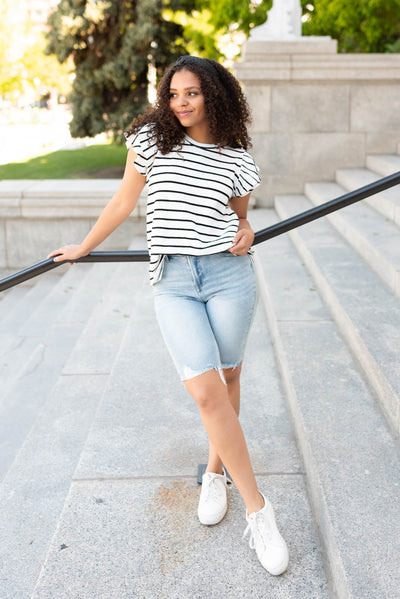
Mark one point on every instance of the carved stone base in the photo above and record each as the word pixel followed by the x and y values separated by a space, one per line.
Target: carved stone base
pixel 253 49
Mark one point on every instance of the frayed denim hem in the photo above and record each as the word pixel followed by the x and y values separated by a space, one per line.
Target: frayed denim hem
pixel 189 373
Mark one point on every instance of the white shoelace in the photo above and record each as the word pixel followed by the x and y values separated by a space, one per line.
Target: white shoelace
pixel 257 531
pixel 212 491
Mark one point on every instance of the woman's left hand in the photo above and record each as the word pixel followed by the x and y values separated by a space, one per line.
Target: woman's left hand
pixel 242 241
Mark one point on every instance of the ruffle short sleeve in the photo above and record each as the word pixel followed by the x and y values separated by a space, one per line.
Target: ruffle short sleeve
pixel 144 146
pixel 247 178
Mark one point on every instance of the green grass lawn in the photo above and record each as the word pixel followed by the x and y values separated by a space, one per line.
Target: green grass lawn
pixel 67 164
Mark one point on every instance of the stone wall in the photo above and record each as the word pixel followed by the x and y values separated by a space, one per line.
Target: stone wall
pixel 38 216
pixel 315 111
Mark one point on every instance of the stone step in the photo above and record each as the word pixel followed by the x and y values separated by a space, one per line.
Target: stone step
pixel 386 202
pixel 351 459
pixel 50 348
pixel 374 238
pixel 10 297
pixel 82 303
pixel 48 310
pixel 19 341
pixel 33 492
pixel 52 421
pixel 16 311
pixel 366 312
pixel 135 486
pixel 25 398
pixel 22 333
pixel 384 164
pixel 93 355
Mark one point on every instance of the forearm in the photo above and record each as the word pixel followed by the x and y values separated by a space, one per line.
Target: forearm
pixel 115 212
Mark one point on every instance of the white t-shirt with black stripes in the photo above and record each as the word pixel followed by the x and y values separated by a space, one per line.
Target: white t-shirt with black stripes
pixel 188 194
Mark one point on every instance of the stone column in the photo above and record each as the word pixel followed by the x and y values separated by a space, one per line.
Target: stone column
pixel 315 111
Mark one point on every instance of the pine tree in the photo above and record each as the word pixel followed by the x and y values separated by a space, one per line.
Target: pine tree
pixel 111 43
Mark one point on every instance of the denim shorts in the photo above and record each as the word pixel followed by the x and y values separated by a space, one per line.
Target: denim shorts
pixel 205 306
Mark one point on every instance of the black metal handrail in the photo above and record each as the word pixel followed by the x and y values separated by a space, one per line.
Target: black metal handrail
pixel 267 233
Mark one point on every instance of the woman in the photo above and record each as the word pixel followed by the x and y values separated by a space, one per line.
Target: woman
pixel 191 150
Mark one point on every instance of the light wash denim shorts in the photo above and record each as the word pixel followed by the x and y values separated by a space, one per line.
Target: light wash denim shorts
pixel 205 306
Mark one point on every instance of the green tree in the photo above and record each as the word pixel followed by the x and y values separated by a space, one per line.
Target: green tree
pixel 244 14
pixel 362 26
pixel 111 44
pixel 208 23
pixel 359 26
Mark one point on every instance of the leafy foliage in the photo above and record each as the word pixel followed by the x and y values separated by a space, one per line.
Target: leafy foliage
pixel 210 22
pixel 242 12
pixel 110 44
pixel 362 26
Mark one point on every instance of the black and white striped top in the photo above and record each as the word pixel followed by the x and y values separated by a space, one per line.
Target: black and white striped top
pixel 188 194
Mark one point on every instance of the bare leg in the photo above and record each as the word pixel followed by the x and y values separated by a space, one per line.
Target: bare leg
pixel 225 433
pixel 232 378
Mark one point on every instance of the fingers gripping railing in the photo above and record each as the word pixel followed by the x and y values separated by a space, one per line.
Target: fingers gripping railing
pixel 273 231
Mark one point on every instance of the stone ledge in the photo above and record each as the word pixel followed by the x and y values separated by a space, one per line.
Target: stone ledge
pixel 62 188
pixel 59 198
pixel 59 207
pixel 15 188
pixel 303 45
pixel 286 66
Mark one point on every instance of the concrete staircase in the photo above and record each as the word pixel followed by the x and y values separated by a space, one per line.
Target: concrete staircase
pixel 100 442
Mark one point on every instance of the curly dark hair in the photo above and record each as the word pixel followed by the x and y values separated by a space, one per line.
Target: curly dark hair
pixel 226 107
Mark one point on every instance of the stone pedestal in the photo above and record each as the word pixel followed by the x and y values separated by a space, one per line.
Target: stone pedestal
pixel 315 111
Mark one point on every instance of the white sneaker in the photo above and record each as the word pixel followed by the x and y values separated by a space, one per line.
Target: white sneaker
pixel 213 501
pixel 265 538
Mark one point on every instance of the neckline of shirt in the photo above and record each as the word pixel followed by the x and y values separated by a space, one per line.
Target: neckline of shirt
pixel 198 143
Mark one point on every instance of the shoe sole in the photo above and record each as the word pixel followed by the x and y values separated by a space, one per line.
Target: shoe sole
pixel 278 570
pixel 207 520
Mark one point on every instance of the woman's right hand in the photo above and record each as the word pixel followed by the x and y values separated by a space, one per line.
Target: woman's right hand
pixel 68 252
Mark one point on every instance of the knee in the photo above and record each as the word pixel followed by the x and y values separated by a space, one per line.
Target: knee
pixel 206 401
pixel 210 399
pixel 232 375
pixel 208 390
